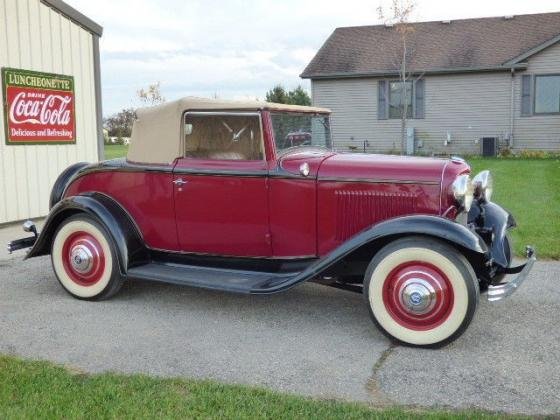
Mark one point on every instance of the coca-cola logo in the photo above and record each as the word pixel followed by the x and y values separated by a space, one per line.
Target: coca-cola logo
pixel 47 110
pixel 38 107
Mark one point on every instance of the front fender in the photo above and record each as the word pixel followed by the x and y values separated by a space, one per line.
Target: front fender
pixel 493 222
pixel 378 235
pixel 126 237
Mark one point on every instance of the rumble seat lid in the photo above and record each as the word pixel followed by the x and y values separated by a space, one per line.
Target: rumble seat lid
pixel 156 133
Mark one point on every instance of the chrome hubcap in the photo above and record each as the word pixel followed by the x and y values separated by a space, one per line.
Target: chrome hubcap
pixel 81 259
pixel 417 296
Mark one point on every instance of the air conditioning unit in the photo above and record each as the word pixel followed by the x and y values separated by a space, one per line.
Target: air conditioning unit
pixel 489 146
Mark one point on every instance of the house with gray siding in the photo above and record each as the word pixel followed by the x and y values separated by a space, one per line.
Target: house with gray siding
pixel 474 82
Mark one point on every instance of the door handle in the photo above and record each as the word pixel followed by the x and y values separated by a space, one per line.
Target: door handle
pixel 180 182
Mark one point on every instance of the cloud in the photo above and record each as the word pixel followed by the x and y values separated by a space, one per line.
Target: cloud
pixel 236 48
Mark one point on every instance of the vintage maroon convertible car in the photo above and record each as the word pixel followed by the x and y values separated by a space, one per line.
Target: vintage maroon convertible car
pixel 228 196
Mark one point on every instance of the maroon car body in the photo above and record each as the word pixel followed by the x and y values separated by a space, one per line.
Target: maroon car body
pixel 245 215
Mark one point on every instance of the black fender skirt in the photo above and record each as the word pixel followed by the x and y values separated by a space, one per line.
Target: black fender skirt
pixel 126 238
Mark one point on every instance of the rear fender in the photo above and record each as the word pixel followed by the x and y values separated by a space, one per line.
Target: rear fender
pixel 62 182
pixel 126 237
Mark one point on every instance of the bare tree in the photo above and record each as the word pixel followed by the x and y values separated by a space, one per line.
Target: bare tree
pixel 397 16
pixel 151 96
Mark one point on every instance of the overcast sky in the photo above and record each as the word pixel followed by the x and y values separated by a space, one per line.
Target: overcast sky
pixel 238 48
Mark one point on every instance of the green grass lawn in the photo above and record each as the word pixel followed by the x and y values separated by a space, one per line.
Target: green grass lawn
pixel 530 190
pixel 113 151
pixel 31 389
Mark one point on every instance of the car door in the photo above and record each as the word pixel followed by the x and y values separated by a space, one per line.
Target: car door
pixel 293 180
pixel 220 186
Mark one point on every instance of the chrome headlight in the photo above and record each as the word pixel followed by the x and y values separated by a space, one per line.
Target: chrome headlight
pixel 483 185
pixel 463 192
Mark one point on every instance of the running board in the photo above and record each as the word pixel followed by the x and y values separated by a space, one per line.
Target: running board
pixel 238 281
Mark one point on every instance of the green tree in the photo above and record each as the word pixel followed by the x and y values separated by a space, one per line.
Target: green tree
pixel 297 96
pixel 277 95
pixel 120 124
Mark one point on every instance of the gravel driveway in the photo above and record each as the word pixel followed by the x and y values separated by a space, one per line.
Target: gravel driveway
pixel 311 340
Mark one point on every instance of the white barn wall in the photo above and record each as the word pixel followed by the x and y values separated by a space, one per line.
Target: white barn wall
pixel 35 37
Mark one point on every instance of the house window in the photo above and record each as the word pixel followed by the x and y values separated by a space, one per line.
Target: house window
pixel 547 94
pixel 397 100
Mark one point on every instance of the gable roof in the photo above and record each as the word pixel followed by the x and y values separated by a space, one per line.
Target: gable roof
pixel 496 43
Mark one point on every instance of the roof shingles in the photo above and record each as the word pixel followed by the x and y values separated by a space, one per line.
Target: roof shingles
pixel 485 43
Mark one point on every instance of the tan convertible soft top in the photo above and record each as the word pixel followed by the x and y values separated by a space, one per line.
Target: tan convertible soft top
pixel 156 133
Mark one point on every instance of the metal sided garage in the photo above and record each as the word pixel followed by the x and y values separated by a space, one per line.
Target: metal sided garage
pixel 51 100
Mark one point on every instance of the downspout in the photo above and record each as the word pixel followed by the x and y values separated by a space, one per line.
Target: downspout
pixel 512 109
pixel 98 99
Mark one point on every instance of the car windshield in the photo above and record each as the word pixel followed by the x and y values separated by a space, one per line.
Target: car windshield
pixel 292 130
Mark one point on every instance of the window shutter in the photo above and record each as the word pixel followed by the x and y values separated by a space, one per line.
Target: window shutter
pixel 419 98
pixel 382 100
pixel 526 95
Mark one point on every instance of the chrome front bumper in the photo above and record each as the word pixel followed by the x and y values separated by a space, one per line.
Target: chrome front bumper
pixel 501 291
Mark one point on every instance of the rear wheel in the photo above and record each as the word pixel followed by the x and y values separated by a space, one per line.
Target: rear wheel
pixel 421 291
pixel 84 259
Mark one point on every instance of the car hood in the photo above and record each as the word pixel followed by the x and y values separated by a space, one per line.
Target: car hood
pixel 357 166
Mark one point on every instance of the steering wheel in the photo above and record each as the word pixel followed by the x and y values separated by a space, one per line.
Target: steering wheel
pixel 235 135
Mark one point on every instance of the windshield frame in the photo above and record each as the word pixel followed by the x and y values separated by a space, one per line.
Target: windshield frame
pixel 282 152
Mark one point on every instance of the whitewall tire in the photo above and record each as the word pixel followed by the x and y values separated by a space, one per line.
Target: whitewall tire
pixel 84 259
pixel 421 291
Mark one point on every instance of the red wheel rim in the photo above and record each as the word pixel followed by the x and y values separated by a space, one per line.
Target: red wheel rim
pixel 83 258
pixel 418 295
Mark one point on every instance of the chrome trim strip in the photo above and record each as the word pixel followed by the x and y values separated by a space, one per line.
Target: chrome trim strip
pixel 502 291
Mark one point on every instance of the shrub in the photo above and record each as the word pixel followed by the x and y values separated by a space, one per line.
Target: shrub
pixel 533 154
pixel 505 152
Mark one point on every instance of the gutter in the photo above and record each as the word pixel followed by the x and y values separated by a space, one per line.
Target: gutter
pixel 393 73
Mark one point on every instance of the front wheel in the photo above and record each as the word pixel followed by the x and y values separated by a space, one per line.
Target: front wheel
pixel 421 291
pixel 84 259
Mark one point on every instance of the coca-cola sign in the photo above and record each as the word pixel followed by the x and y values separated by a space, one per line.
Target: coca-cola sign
pixel 38 107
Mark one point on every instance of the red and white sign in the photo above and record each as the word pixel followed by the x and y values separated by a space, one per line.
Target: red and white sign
pixel 34 112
